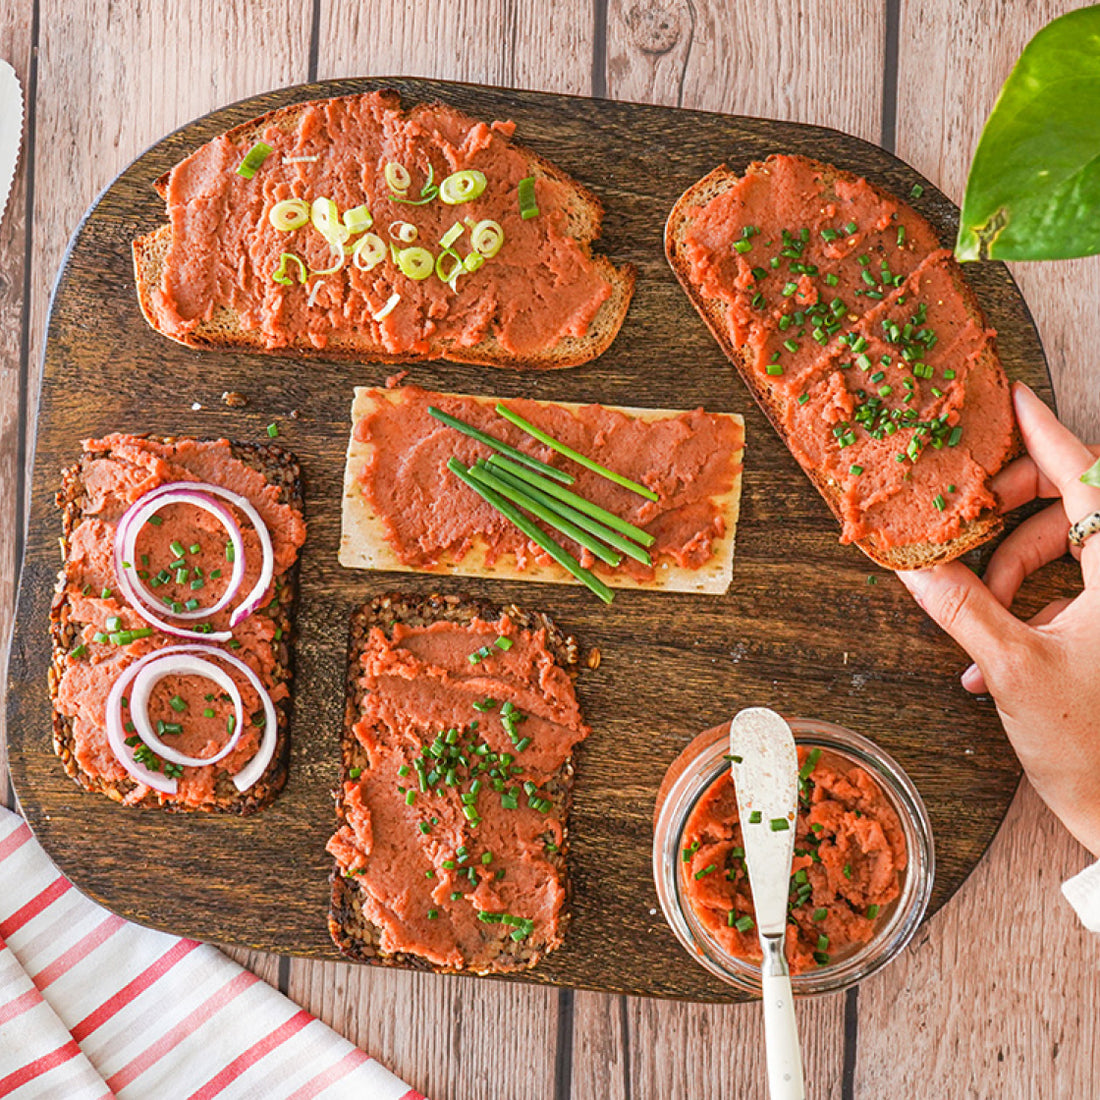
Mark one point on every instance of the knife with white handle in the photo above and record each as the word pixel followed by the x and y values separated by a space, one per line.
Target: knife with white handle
pixel 765 775
pixel 11 129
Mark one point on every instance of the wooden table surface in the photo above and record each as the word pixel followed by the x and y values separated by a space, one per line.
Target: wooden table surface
pixel 999 996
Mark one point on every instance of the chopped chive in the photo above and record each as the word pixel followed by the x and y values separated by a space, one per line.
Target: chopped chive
pixel 803 398
pixel 778 824
pixel 744 924
pixel 272 430
pixel 917 191
pixel 208 712
pixel 230 553
pixel 705 871
pixel 432 914
pixel 855 470
pixel 847 870
pixel 105 594
pixel 755 817
pixel 872 911
pixel 820 914
pixel 939 502
pixel 156 521
pixel 177 704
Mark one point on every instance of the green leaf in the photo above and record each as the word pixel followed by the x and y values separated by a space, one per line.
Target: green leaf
pixel 1034 186
pixel 1092 475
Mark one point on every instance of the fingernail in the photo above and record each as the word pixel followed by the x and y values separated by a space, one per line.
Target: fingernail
pixel 969 678
pixel 917 581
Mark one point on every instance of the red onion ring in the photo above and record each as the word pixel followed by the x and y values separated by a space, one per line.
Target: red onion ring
pixel 197 493
pixel 137 595
pixel 116 736
pixel 182 664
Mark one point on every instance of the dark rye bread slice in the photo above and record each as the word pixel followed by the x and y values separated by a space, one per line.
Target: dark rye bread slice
pixel 714 311
pixel 583 219
pixel 352 932
pixel 280 468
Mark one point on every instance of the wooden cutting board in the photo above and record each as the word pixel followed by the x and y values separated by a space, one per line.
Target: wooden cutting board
pixel 808 627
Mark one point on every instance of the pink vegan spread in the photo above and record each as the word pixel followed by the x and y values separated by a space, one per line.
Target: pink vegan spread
pixel 117 471
pixel 540 287
pixel 453 825
pixel 429 513
pixel 850 854
pixel 853 322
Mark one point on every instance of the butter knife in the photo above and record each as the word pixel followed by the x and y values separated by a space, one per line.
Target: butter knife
pixel 765 775
pixel 11 129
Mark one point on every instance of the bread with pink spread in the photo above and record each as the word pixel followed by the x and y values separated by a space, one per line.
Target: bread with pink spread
pixel 529 293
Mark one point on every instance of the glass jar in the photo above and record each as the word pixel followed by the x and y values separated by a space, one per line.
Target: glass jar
pixel 700 765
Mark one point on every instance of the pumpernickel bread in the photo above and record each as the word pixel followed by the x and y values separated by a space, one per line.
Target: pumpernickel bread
pixel 359 887
pixel 71 644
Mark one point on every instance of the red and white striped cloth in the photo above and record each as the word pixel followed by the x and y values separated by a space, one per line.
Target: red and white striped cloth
pixel 93 1007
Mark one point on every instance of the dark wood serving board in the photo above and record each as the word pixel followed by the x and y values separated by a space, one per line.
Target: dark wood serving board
pixel 808 627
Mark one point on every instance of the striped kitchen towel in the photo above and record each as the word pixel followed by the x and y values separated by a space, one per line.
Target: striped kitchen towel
pixel 93 1007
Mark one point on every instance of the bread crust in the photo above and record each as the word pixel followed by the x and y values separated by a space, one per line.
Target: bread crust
pixel 920 555
pixel 356 937
pixel 222 332
pixel 280 468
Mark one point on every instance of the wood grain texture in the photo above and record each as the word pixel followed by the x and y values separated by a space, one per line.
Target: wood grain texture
pixel 16 30
pixel 446 1036
pixel 520 44
pixel 751 644
pixel 977 1016
pixel 101 86
pixel 797 60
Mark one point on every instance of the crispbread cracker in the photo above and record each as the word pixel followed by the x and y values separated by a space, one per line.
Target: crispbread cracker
pixel 364 544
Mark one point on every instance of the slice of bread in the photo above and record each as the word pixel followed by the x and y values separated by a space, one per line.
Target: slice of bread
pixel 364 542
pixel 223 329
pixel 281 470
pixel 353 932
pixel 716 312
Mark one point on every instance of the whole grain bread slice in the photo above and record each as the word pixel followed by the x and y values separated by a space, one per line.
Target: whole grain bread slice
pixel 222 330
pixel 353 933
pixel 281 469
pixel 714 311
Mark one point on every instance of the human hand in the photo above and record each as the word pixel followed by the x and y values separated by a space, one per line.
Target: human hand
pixel 1044 675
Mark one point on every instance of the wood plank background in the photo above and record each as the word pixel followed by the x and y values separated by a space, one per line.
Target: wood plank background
pixel 1000 996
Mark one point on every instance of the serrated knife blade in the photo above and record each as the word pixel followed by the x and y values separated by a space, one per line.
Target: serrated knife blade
pixel 11 129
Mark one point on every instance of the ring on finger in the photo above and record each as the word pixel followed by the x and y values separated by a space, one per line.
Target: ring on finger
pixel 1084 529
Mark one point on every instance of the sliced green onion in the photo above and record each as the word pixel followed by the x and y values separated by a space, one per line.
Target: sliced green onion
pixel 755 817
pixel 358 220
pixel 525 192
pixel 279 275
pixel 872 911
pixel 452 234
pixel 495 444
pixel 417 263
pixel 397 177
pixel 289 214
pixel 533 532
pixel 576 456
pixel 273 431
pixel 462 186
pixel 487 237
pixel 778 824
pixel 820 914
pixel 744 924
pixel 253 159
pixel 441 272
pixel 473 261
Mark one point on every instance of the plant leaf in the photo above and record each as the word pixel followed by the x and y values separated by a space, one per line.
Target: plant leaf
pixel 1034 186
pixel 1092 475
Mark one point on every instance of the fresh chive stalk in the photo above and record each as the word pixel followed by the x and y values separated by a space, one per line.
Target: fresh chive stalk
pixel 576 456
pixel 499 445
pixel 566 496
pixel 481 473
pixel 575 517
pixel 533 532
